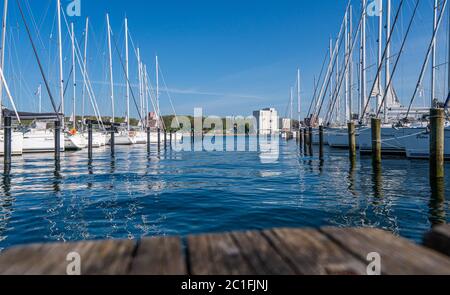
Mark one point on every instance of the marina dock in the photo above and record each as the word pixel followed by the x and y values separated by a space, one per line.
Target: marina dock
pixel 325 251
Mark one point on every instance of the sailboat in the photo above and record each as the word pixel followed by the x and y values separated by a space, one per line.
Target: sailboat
pixel 337 133
pixel 418 146
pixel 74 140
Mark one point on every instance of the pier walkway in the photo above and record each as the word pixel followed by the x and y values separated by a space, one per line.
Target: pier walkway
pixel 325 251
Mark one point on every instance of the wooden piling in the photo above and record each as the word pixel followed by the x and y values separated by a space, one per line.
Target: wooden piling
pixel 159 139
pixel 437 125
pixel 305 142
pixel 300 137
pixel 165 139
pixel 351 140
pixel 58 140
pixel 148 140
pixel 310 140
pixel 321 142
pixel 113 142
pixel 170 139
pixel 90 139
pixel 376 140
pixel 7 139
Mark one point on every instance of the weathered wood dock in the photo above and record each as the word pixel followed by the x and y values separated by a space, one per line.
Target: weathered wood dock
pixel 326 251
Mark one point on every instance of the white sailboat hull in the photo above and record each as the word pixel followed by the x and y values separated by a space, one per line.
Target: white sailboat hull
pixel 418 147
pixel 338 137
pixel 123 140
pixel 75 142
pixel 41 141
pixel 140 137
pixel 98 139
pixel 392 140
pixel 16 144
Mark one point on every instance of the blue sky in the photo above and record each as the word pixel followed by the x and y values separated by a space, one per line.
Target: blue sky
pixel 229 57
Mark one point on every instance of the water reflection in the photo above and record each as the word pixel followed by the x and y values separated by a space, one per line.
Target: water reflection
pixel 351 177
pixel 129 196
pixel 437 214
pixel 377 178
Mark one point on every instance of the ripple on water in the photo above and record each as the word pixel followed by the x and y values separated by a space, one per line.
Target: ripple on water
pixel 180 193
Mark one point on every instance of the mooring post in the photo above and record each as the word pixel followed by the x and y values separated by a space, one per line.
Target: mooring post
pixel 305 142
pixel 165 139
pixel 112 141
pixel 321 142
pixel 148 140
pixel 437 125
pixel 170 139
pixel 376 140
pixel 300 137
pixel 7 140
pixel 310 140
pixel 159 139
pixel 57 141
pixel 351 139
pixel 90 138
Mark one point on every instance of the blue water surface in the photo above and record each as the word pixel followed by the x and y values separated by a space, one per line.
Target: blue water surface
pixel 182 193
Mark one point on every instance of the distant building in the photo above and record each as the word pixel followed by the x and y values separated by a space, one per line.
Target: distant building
pixel 286 124
pixel 267 121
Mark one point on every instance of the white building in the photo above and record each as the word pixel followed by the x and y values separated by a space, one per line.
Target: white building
pixel 285 124
pixel 267 121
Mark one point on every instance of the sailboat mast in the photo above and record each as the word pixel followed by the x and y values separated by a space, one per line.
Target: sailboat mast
pixel 350 64
pixel 433 54
pixel 299 105
pixel 141 99
pixel 2 58
pixel 390 99
pixel 291 104
pixel 40 98
pixel 74 77
pixel 157 90
pixel 145 96
pixel 86 32
pixel 61 77
pixel 363 59
pixel 127 74
pixel 380 52
pixel 347 51
pixel 111 77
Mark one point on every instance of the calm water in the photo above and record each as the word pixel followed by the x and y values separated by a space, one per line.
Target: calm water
pixel 180 193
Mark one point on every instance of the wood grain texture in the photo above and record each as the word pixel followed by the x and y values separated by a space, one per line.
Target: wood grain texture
pixel 335 251
pixel 106 257
pixel 439 239
pixel 312 253
pixel 159 256
pixel 398 256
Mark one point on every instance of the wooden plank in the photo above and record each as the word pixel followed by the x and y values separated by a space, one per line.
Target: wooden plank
pixel 159 256
pixel 312 253
pixel 259 253
pixel 216 255
pixel 398 256
pixel 107 257
pixel 439 239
